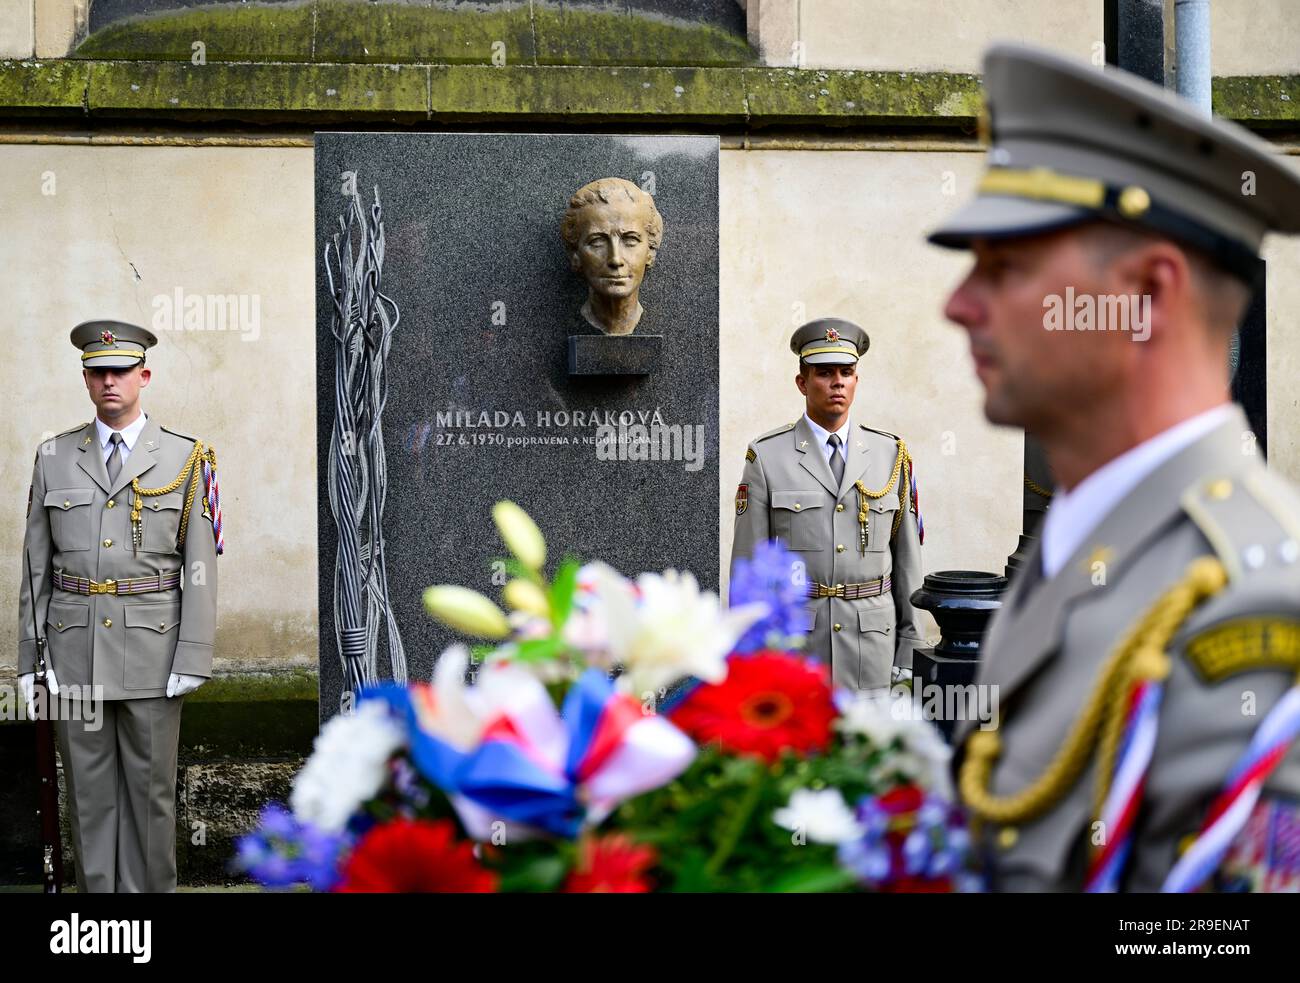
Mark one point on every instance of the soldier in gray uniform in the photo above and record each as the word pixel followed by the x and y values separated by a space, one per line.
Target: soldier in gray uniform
pixel 841 496
pixel 123 530
pixel 1146 658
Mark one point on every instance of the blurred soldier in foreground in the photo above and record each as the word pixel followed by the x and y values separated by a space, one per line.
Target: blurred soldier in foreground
pixel 1146 658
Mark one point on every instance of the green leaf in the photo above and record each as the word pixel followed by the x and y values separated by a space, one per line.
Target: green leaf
pixel 563 589
pixel 813 880
pixel 542 874
pixel 517 569
pixel 539 649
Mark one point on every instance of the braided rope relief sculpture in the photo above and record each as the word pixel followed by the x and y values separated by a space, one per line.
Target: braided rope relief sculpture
pixel 363 322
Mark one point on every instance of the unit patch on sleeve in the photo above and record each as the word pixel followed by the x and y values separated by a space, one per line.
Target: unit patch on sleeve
pixel 1245 644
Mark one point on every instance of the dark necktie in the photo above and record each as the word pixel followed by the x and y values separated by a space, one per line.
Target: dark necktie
pixel 837 459
pixel 115 458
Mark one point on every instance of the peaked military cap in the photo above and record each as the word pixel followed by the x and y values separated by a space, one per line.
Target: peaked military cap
pixel 1072 143
pixel 829 341
pixel 111 344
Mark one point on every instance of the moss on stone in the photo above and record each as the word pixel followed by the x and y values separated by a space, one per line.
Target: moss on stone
pixel 252 687
pixel 260 91
pixel 388 32
pixel 249 32
pixel 1262 100
pixel 590 37
pixel 755 97
pixel 847 97
pixel 342 31
pixel 44 87
pixel 259 715
pixel 595 94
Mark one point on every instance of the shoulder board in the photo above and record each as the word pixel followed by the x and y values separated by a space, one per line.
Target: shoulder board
pixel 784 428
pixel 1248 521
pixel 891 436
pixel 65 433
pixel 177 433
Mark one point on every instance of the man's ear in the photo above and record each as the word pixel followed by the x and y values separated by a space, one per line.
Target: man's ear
pixel 1159 271
pixel 145 375
pixel 575 264
pixel 802 384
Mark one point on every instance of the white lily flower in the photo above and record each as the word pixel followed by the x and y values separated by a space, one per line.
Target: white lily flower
pixel 665 628
pixel 822 817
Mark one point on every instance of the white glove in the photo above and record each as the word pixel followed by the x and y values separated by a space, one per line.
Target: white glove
pixel 27 684
pixel 178 684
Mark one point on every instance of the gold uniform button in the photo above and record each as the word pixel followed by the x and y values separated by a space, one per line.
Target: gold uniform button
pixel 155 506
pixel 840 507
pixel 1007 837
pixel 162 625
pixel 108 622
pixel 66 503
pixel 59 625
pixel 111 503
pixel 797 506
pixel 1220 489
pixel 108 542
pixel 838 627
pixel 839 549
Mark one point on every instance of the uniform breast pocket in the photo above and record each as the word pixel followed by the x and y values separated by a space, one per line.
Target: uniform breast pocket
pixel 69 512
pixel 797 519
pixel 151 634
pixel 880 523
pixel 160 521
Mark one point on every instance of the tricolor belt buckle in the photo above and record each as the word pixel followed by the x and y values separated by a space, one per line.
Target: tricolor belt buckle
pixel 822 590
pixel 133 585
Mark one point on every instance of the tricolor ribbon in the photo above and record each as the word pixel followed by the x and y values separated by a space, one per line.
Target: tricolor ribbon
pixel 1228 814
pixel 1137 743
pixel 213 493
pixel 916 504
pixel 547 771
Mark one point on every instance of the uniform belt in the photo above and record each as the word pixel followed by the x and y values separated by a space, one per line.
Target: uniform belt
pixel 130 585
pixel 851 592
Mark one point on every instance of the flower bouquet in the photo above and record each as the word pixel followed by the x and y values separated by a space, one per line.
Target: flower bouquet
pixel 619 735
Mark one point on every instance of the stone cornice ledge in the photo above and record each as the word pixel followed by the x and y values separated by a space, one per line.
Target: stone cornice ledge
pixel 313 94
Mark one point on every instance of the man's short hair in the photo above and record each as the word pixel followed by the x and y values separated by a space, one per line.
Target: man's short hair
pixel 1225 295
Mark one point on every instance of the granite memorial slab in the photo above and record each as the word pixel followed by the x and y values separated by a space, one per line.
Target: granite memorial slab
pixel 448 304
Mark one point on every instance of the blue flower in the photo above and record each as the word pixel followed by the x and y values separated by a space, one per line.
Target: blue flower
pixel 282 852
pixel 774 576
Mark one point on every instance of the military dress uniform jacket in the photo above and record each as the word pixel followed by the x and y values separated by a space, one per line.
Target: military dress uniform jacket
pixel 78 523
pixel 788 493
pixel 1230 661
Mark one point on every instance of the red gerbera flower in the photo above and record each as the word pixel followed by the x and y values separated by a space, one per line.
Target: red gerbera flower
pixel 415 856
pixel 611 865
pixel 769 701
